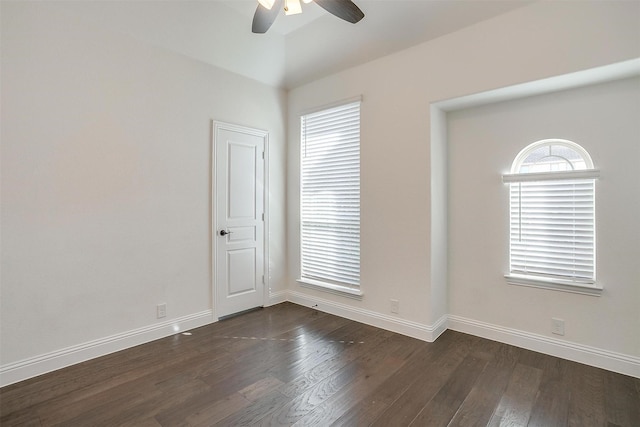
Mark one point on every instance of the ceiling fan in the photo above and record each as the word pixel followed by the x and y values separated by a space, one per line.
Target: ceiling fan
pixel 268 10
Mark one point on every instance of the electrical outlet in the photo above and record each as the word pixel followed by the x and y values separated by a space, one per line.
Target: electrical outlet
pixel 161 310
pixel 557 326
pixel 395 306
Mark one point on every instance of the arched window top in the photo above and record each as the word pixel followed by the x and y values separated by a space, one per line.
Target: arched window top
pixel 552 155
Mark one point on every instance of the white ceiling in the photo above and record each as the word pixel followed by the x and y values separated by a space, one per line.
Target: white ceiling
pixel 298 48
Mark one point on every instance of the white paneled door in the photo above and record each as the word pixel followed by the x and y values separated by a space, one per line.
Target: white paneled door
pixel 239 250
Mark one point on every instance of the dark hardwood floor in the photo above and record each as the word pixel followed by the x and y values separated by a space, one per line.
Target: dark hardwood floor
pixel 290 365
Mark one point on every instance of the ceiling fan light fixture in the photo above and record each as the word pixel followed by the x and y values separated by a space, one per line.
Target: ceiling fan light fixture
pixel 268 10
pixel 268 4
pixel 292 7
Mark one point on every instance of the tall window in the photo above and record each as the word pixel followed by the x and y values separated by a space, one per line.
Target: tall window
pixel 552 216
pixel 330 198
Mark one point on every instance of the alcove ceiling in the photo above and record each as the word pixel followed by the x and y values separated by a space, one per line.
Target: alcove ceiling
pixel 298 48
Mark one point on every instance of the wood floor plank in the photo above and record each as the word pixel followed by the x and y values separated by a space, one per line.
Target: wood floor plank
pixel 301 405
pixel 335 346
pixel 514 408
pixel 213 413
pixel 231 378
pixel 375 368
pixel 260 388
pixel 102 414
pixel 143 422
pixel 317 373
pixel 423 386
pixel 479 405
pixel 273 357
pixel 21 418
pixel 193 404
pixel 622 405
pixel 551 408
pixel 167 396
pixel 374 375
pixel 298 407
pixel 118 397
pixel 586 406
pixel 255 411
pixel 441 409
pixel 429 358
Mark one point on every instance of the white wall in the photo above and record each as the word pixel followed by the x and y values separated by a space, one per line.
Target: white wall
pixel 399 247
pixel 106 179
pixel 483 142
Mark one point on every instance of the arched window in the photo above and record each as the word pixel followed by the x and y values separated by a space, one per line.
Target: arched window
pixel 552 217
pixel 552 155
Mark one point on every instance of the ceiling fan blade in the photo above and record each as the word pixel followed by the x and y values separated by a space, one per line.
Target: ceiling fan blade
pixel 263 18
pixel 343 9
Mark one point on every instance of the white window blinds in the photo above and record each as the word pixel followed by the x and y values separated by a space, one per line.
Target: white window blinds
pixel 330 196
pixel 553 229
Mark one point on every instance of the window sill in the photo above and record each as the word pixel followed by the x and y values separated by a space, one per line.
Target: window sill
pixel 344 291
pixel 554 284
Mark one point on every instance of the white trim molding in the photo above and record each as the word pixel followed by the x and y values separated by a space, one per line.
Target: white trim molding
pixel 394 324
pixel 548 176
pixel 605 359
pixel 34 366
pixel 554 284
pixel 276 298
pixel 331 288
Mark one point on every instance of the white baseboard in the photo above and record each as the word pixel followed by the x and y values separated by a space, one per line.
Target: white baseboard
pixel 609 360
pixel 383 321
pixel 276 298
pixel 29 368
pixel 612 361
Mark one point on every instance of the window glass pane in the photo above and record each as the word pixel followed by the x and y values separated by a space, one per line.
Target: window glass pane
pixel 552 158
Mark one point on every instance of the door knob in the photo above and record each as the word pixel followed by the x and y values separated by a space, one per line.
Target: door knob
pixel 225 232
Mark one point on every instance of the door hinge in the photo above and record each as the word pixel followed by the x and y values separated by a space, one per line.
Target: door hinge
pixel 263 155
pixel 263 216
pixel 263 279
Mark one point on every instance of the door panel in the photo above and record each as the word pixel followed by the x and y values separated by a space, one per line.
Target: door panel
pixel 241 180
pixel 238 209
pixel 241 278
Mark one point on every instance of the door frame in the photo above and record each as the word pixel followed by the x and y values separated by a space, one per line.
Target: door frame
pixel 215 127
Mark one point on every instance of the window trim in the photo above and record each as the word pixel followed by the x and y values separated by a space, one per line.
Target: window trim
pixel 575 285
pixel 555 284
pixel 331 288
pixel 550 176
